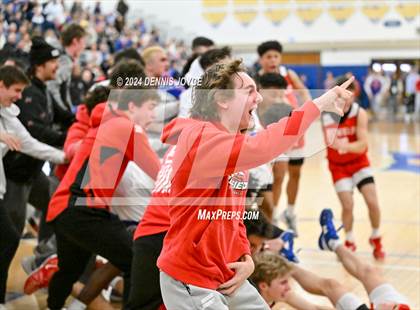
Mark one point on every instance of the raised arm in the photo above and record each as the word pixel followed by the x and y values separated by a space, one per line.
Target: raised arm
pixel 218 153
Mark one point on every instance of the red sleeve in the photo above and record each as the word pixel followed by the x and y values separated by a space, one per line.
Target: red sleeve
pixel 220 153
pixel 140 151
pixel 75 135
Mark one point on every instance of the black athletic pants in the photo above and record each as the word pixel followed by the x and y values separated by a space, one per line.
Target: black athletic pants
pixel 9 242
pixel 80 232
pixel 13 217
pixel 145 288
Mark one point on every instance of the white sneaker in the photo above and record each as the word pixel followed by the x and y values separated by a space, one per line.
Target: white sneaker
pixel 290 221
pixel 3 307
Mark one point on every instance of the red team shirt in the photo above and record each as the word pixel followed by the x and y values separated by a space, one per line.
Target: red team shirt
pixel 343 165
pixel 100 161
pixel 75 135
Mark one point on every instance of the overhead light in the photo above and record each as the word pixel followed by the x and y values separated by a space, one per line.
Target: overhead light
pixel 389 67
pixel 376 67
pixel 405 67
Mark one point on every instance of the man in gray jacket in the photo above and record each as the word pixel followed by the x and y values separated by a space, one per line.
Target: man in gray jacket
pixel 14 136
pixel 73 40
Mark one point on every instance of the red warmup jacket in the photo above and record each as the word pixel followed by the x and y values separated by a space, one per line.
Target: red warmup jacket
pixel 75 135
pixel 209 173
pixel 100 161
pixel 156 217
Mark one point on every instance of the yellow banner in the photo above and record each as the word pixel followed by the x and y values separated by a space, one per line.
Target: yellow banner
pixel 340 10
pixel 214 3
pixel 309 15
pixel 408 10
pixel 214 18
pixel 375 12
pixel 276 16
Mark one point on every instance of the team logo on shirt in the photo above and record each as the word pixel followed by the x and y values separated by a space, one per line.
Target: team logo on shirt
pixel 237 181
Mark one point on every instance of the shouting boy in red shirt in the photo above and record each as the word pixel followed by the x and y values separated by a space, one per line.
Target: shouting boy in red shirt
pixel 206 260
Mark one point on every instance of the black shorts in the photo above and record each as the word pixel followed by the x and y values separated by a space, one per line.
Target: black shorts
pixel 296 161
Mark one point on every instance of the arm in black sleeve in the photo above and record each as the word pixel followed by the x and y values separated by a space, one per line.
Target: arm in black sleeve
pixel 64 118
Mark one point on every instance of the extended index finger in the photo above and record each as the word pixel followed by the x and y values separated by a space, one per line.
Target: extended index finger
pixel 347 83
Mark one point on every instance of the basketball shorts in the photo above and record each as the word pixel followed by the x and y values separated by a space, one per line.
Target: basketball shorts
pixel 260 178
pixel 348 176
pixel 293 157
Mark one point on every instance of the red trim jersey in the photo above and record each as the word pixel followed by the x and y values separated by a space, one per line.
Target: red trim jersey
pixel 344 128
pixel 346 165
pixel 100 161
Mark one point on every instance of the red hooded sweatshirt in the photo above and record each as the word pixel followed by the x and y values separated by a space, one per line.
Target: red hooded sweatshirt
pixel 75 135
pixel 96 169
pixel 156 217
pixel 209 173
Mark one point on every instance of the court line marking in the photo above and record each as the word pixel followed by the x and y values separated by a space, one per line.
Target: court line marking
pixel 337 263
pixel 402 222
pixel 368 254
pixel 365 253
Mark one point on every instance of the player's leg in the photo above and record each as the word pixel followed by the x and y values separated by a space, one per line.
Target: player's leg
pixel 294 169
pixel 329 240
pixel 343 184
pixel 145 290
pixel 267 202
pixel 314 284
pixel 98 281
pixel 367 188
pixel 99 303
pixel 369 275
pixel 72 260
pixel 279 172
pixel 9 242
pixel 289 216
pixel 347 205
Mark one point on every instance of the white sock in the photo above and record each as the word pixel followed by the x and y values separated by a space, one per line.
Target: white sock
pixel 77 305
pixel 334 244
pixel 349 236
pixel 375 233
pixel 348 301
pixel 290 209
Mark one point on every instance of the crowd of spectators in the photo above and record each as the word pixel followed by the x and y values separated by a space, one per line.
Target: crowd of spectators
pixel 107 34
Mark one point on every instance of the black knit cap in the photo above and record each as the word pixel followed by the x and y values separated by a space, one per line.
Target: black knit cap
pixel 269 45
pixel 41 51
